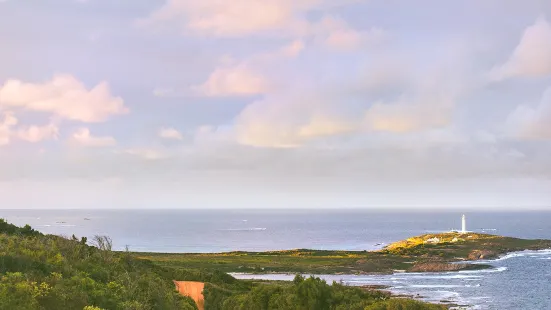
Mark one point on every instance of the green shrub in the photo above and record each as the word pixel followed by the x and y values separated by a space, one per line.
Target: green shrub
pixel 403 304
pixel 49 272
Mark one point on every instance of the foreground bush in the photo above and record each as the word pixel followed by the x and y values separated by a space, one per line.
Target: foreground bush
pixel 403 304
pixel 305 294
pixel 51 272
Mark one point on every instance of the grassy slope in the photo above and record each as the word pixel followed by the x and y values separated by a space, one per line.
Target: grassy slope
pixel 401 255
pixel 49 272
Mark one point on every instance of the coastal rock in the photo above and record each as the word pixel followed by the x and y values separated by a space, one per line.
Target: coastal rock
pixel 434 240
pixel 437 267
pixel 482 254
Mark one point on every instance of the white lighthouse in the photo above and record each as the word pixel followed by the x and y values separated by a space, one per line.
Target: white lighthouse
pixel 463 224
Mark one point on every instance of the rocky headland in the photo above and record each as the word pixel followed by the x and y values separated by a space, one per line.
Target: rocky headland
pixel 451 251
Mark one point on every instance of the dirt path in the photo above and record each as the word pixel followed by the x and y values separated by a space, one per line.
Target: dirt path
pixel 193 290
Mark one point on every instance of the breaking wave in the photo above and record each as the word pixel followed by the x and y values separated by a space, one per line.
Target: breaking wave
pixel 523 254
pixel 498 269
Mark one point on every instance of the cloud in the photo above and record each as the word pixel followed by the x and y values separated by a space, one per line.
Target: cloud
pixel 531 57
pixel 63 96
pixel 6 125
pixel 280 18
pixel 532 123
pixel 293 49
pixel 407 115
pixel 213 136
pixel 166 92
pixel 344 39
pixel 170 133
pixel 83 137
pixel 272 122
pixel 31 134
pixel 233 80
pixel 297 119
pixel 326 126
pixel 35 133
pixel 240 78
pixel 322 109
pixel 339 35
pixel 235 18
pixel 146 153
pixel 247 77
pixel 291 120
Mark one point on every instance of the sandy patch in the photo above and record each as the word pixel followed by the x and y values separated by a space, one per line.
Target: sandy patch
pixel 193 290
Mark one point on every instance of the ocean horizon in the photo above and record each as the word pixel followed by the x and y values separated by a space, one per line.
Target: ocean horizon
pixel 222 230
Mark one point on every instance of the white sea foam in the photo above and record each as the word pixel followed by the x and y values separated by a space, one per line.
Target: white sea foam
pixel 381 281
pixel 523 254
pixel 435 286
pixel 511 255
pixel 440 295
pixel 480 297
pixel 498 269
pixel 436 276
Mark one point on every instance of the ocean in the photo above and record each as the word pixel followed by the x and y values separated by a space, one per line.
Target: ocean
pixel 518 281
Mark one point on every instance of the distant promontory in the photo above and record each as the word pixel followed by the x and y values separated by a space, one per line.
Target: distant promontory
pixel 451 251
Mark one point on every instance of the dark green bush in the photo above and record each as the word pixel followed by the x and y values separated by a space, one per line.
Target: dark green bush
pixel 50 272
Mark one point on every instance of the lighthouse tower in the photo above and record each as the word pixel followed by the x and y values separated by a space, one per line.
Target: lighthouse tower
pixel 463 224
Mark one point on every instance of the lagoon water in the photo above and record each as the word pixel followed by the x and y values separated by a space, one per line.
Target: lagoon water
pixel 519 280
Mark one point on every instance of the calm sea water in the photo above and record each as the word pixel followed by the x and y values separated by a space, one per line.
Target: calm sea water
pixel 519 281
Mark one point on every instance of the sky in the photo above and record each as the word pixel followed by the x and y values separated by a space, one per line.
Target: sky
pixel 275 104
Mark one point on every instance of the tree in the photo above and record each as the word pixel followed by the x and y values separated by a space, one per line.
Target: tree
pixel 314 294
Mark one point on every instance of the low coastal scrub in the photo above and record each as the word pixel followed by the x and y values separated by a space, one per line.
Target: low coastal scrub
pixel 461 246
pixel 403 304
pixel 308 294
pixel 50 272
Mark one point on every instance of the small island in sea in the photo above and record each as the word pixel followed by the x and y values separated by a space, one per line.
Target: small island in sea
pixel 40 271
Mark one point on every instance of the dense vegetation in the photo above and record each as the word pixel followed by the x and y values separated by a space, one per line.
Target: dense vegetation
pixel 308 294
pixel 431 252
pixel 291 261
pixel 50 272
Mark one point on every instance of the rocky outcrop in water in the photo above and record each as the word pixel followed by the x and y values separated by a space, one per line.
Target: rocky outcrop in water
pixel 482 254
pixel 436 267
pixel 442 267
